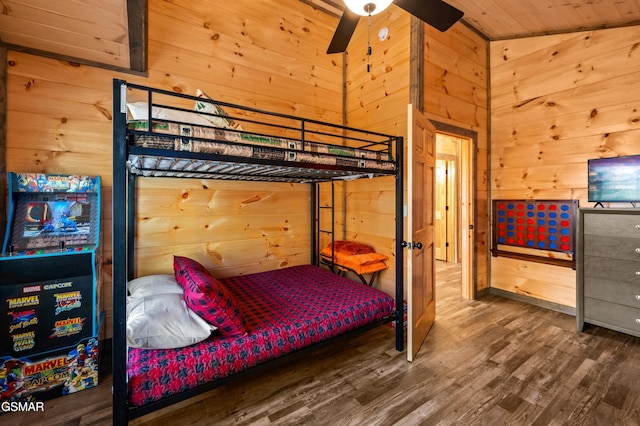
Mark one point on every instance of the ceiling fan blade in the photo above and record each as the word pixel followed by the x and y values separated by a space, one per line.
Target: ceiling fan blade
pixel 346 27
pixel 436 13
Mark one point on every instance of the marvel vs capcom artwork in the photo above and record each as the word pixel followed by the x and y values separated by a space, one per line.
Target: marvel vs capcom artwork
pixel 43 316
pixel 39 182
pixel 40 378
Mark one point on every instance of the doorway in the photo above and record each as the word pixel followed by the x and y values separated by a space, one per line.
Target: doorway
pixel 446 207
pixel 454 206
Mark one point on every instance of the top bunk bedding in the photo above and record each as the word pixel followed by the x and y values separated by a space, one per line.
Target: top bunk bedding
pixel 193 136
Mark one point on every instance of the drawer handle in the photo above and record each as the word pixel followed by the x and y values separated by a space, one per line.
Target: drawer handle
pixel 637 226
pixel 638 320
pixel 637 296
pixel 638 250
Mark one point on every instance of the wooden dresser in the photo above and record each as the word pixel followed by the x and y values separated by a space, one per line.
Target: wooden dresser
pixel 608 269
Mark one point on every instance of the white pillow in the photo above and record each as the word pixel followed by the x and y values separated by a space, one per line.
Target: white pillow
pixel 140 111
pixel 221 119
pixel 154 284
pixel 163 321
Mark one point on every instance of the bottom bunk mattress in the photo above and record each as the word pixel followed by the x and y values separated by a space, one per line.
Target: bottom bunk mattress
pixel 284 310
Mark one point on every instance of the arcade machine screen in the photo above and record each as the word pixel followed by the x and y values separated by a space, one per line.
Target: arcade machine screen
pixel 46 221
pixel 53 221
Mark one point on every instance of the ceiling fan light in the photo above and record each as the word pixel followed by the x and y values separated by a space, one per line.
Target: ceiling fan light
pixel 367 7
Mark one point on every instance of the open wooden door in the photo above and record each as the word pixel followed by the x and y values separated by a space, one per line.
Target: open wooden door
pixel 421 172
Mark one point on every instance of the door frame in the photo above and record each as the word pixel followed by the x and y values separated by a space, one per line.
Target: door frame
pixel 468 203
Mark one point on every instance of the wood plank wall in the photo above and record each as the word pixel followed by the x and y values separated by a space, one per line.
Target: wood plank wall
pixel 456 79
pixel 557 101
pixel 455 85
pixel 59 121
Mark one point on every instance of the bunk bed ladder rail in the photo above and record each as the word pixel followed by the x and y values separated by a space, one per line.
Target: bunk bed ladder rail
pixel 318 211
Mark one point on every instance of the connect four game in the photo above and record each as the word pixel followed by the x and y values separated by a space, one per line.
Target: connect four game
pixel 544 225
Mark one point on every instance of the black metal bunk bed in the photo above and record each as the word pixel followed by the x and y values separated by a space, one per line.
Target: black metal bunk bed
pixel 131 161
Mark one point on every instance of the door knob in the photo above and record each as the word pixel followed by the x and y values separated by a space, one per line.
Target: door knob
pixel 411 245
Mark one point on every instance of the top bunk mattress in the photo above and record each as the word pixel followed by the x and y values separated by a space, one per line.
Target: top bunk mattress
pixel 184 137
pixel 162 133
pixel 284 310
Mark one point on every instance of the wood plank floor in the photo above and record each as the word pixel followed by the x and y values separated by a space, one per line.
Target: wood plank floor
pixel 492 361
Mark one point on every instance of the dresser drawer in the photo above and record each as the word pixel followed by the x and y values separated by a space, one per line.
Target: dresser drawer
pixel 612 225
pixel 613 290
pixel 611 314
pixel 612 247
pixel 611 269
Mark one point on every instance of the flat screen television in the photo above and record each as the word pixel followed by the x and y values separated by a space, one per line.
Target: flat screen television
pixel 614 180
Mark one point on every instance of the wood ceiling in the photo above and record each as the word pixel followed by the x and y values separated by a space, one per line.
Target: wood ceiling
pixel 507 19
pixel 112 33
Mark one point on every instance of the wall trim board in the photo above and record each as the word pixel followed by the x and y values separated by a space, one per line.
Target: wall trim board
pixel 533 301
pixel 73 60
pixel 482 293
pixel 137 15
pixel 416 61
pixel 332 8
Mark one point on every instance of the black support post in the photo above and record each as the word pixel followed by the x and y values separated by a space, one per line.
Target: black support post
pixel 119 262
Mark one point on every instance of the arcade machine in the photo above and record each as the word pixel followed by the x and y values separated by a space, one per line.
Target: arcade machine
pixel 50 295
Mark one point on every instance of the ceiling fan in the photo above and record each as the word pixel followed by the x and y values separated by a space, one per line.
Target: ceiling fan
pixel 436 13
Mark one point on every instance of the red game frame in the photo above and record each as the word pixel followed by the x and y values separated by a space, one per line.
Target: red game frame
pixel 547 225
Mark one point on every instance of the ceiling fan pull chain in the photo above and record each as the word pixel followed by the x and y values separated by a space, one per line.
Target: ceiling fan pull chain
pixel 369 43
